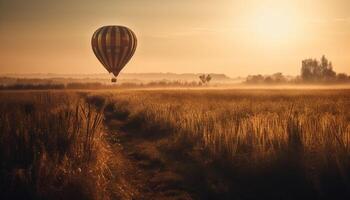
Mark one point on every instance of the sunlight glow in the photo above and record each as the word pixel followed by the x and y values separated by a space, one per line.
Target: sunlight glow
pixel 274 24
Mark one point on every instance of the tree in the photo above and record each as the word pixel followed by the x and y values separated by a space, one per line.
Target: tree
pixel 205 79
pixel 342 77
pixel 255 79
pixel 278 78
pixel 208 78
pixel 268 80
pixel 202 78
pixel 308 69
pixel 313 70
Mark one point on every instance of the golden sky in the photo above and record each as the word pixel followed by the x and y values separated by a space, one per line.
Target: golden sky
pixel 235 37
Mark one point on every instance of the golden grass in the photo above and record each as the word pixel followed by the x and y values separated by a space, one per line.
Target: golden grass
pixel 52 146
pixel 272 143
pixel 254 130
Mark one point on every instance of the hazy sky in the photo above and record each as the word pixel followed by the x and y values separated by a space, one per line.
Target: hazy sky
pixel 237 37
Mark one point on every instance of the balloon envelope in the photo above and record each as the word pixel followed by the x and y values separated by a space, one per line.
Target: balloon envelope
pixel 114 46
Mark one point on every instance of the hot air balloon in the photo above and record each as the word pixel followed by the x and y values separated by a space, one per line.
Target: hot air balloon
pixel 114 46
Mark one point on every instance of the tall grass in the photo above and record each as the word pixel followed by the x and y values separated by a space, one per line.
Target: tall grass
pixel 299 137
pixel 52 146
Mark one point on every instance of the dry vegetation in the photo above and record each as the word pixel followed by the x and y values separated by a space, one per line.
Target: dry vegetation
pixel 52 146
pixel 227 144
pixel 261 144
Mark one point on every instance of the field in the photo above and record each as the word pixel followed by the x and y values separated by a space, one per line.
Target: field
pixel 52 147
pixel 272 144
pixel 184 144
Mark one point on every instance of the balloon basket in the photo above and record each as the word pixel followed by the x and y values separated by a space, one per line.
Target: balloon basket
pixel 113 80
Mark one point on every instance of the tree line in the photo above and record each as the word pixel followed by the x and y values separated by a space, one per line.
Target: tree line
pixel 97 85
pixel 312 71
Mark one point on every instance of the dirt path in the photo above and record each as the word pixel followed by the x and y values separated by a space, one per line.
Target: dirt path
pixel 139 172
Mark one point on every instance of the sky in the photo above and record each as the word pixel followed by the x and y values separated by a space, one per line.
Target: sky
pixel 234 37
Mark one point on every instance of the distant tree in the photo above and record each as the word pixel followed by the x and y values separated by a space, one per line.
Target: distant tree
pixel 278 78
pixel 202 78
pixel 308 69
pixel 317 71
pixel 268 80
pixel 205 79
pixel 312 71
pixel 327 70
pixel 255 79
pixel 208 78
pixel 258 78
pixel 342 77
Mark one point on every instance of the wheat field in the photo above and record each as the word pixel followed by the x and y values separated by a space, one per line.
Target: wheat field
pixel 243 144
pixel 52 146
pixel 293 137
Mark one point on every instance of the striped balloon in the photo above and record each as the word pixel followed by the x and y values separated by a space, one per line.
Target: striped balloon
pixel 114 46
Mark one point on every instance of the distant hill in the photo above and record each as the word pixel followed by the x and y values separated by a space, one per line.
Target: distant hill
pixel 172 77
pixel 123 77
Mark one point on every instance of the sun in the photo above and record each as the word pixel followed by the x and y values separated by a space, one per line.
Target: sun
pixel 274 24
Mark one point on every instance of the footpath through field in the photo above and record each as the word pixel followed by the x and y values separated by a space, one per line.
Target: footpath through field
pixel 138 171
